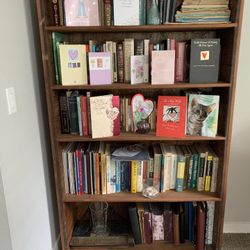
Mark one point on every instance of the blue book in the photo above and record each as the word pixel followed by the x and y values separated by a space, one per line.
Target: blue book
pixel 127 178
pixel 118 177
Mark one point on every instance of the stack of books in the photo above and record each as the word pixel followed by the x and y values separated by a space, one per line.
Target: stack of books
pixel 104 168
pixel 176 223
pixel 204 11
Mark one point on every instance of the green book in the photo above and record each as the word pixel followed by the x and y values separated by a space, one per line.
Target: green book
pixel 57 38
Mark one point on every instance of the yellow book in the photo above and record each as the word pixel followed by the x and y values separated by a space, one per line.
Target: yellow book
pixel 209 173
pixel 73 64
pixel 134 173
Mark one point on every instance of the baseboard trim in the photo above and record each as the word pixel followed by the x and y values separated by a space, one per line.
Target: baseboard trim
pixel 237 227
pixel 57 244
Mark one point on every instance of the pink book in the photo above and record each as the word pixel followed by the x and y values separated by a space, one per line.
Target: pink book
pixel 81 12
pixel 163 67
pixel 100 68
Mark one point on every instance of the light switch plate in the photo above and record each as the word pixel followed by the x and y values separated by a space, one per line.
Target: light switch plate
pixel 11 100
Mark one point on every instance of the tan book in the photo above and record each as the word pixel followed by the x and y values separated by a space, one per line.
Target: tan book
pixel 73 64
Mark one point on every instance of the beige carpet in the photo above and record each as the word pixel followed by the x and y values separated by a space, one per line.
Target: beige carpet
pixel 236 242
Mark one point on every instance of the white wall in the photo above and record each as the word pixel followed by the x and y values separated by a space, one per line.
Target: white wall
pixel 237 217
pixel 24 164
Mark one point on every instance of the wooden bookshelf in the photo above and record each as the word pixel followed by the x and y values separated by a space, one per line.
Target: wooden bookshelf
pixel 169 196
pixel 136 137
pixel 144 28
pixel 70 206
pixel 127 86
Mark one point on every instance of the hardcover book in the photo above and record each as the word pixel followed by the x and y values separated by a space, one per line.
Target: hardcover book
pixel 81 12
pixel 126 12
pixel 100 72
pixel 202 115
pixel 204 61
pixel 163 67
pixel 73 64
pixel 105 116
pixel 171 116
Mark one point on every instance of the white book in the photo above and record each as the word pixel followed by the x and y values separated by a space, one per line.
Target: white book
pixel 71 173
pixel 139 187
pixel 66 169
pixel 108 166
pixel 209 222
pixel 146 60
pixel 128 46
pixel 173 168
pixel 137 69
pixel 126 12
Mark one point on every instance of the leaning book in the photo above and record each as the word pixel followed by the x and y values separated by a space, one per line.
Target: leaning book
pixel 202 115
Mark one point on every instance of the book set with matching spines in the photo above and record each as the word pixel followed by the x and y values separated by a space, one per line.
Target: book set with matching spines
pixel 175 223
pixel 94 168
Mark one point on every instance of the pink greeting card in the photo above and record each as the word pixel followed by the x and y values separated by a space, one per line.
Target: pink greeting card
pixel 82 12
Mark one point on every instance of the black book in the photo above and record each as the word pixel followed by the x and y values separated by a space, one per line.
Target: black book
pixel 134 221
pixel 186 221
pixel 64 112
pixel 172 10
pixel 139 47
pixel 182 223
pixel 73 113
pixel 204 61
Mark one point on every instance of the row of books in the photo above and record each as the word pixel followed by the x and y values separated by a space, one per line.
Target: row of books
pixel 135 61
pixel 176 223
pixel 110 12
pixel 204 11
pixel 108 115
pixel 104 168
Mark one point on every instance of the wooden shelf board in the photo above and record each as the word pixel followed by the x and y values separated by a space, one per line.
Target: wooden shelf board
pixel 161 245
pixel 135 137
pixel 126 86
pixel 169 196
pixel 143 28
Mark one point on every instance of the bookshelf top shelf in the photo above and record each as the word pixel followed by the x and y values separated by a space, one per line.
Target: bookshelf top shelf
pixel 127 86
pixel 135 137
pixel 169 196
pixel 143 28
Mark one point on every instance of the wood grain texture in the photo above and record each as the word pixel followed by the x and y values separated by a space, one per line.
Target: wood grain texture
pixel 143 28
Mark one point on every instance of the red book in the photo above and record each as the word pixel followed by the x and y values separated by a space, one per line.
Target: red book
pixel 84 110
pixel 201 224
pixel 180 62
pixel 171 116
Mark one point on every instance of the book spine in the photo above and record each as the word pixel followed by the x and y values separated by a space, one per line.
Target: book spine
pixel 209 222
pixel 65 172
pixel 173 172
pixel 127 176
pixel 115 70
pixel 134 174
pixel 146 61
pixel 120 62
pixel 167 173
pixel 163 174
pixel 104 174
pixel 118 176
pixel 190 171
pixel 150 172
pixel 142 11
pixel 180 173
pixel 144 174
pixel 55 6
pixel 194 170
pixel 123 168
pixel 97 174
pixel 85 176
pixel 186 174
pixel 73 114
pixel 108 174
pixel 209 170
pixel 61 16
pixel 107 13
pixel 214 174
pixel 64 114
pixel 76 172
pixel 89 113
pixel 180 62
pixel 140 177
pixel 79 113
pixel 157 172
pixel 139 47
pixel 84 115
pixel 201 177
pixel 79 161
pixel 112 176
pixel 128 46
